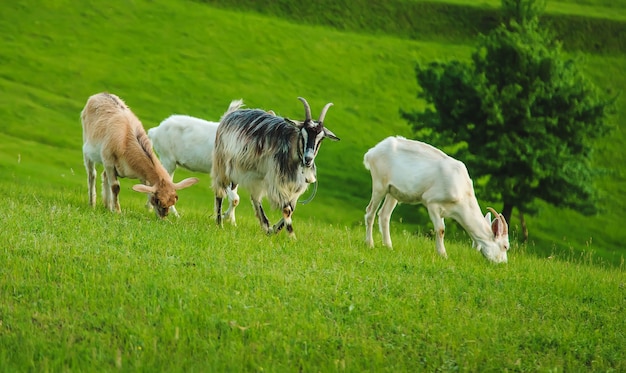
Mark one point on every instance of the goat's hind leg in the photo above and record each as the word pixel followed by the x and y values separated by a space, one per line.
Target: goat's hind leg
pixel 91 181
pixel 260 214
pixel 370 215
pixel 384 216
pixel 169 167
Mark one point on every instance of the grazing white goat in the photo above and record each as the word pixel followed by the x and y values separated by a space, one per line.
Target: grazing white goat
pixel 114 137
pixel 270 156
pixel 182 140
pixel 414 172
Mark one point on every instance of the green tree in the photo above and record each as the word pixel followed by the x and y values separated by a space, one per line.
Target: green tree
pixel 520 115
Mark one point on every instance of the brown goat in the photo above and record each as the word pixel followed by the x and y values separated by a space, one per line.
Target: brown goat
pixel 114 137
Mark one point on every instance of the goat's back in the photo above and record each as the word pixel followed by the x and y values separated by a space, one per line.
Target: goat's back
pixel 185 140
pixel 414 171
pixel 106 115
pixel 108 123
pixel 247 136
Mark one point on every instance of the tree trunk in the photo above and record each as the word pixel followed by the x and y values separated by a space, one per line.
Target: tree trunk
pixel 524 227
pixel 507 210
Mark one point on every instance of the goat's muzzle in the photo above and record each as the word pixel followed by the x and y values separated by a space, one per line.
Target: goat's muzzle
pixel 308 161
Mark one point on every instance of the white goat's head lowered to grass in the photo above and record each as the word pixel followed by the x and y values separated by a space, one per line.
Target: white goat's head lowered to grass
pixel 270 156
pixel 188 142
pixel 114 137
pixel 414 172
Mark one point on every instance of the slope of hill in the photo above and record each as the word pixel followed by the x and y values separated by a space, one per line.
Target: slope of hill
pixel 186 57
pixel 596 26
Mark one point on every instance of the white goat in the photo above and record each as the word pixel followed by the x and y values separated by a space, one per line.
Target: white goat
pixel 414 172
pixel 268 155
pixel 182 140
pixel 114 136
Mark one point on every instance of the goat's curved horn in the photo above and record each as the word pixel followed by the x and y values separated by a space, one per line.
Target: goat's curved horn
pixel 494 212
pixel 307 109
pixel 324 110
pixel 500 217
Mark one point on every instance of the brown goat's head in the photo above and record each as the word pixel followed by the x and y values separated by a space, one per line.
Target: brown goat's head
pixel 163 195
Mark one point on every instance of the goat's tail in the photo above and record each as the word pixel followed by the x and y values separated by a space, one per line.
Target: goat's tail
pixel 234 106
pixel 151 133
pixel 366 161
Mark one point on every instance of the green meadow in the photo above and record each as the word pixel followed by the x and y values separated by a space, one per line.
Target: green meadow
pixel 83 289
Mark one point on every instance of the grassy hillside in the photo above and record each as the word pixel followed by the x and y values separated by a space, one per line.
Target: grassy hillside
pixel 84 289
pixel 186 57
pixel 595 26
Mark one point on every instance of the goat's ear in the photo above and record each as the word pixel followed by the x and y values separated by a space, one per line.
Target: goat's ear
pixel 505 226
pixel 186 183
pixel 496 227
pixel 488 217
pixel 330 135
pixel 141 188
pixel 499 226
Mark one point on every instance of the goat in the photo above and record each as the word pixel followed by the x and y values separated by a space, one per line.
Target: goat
pixel 414 172
pixel 114 137
pixel 182 140
pixel 270 156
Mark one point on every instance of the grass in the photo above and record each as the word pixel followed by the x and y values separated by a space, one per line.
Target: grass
pixel 591 26
pixel 201 58
pixel 84 289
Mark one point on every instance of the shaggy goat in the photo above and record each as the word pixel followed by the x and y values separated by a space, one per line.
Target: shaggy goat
pixel 182 140
pixel 114 137
pixel 270 156
pixel 413 172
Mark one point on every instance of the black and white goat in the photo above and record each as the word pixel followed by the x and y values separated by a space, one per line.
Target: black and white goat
pixel 268 155
pixel 414 172
pixel 188 142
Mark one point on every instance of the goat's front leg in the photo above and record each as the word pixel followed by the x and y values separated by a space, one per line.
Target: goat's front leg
pixel 220 192
pixel 233 201
pixel 286 221
pixel 172 207
pixel 440 230
pixel 279 226
pixel 260 214
pixel 173 211
pixel 106 191
pixel 218 210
